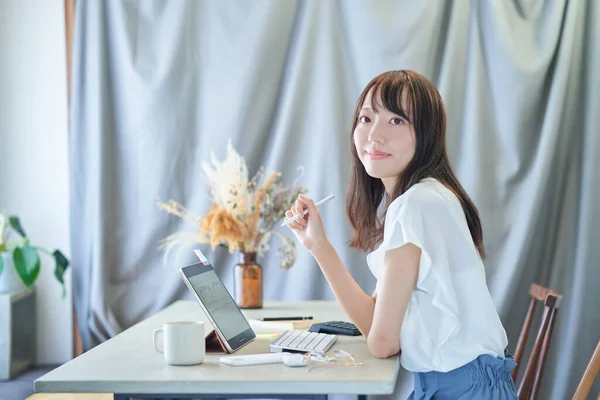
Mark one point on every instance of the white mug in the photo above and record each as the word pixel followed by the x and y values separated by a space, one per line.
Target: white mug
pixel 182 343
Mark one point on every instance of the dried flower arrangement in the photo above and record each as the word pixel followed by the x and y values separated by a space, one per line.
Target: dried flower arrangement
pixel 243 212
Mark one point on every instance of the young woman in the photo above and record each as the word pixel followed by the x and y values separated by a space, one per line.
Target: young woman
pixel 424 235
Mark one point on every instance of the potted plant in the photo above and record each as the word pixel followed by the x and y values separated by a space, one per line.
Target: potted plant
pixel 20 260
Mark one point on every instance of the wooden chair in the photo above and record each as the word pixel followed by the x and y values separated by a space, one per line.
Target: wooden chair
pixel 530 384
pixel 585 384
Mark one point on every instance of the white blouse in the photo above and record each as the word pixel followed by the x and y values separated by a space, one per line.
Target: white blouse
pixel 451 318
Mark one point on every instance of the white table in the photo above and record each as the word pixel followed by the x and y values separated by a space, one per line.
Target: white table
pixel 128 365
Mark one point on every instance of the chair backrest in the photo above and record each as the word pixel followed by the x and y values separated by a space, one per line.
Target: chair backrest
pixel 530 384
pixel 585 384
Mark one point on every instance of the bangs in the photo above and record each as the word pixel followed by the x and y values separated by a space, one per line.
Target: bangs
pixel 388 91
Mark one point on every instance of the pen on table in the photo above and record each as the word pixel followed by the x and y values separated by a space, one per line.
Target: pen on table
pixel 285 318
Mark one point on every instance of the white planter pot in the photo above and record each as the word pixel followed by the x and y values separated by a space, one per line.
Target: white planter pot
pixel 9 279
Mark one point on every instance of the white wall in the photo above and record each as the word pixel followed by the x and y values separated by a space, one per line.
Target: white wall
pixel 33 151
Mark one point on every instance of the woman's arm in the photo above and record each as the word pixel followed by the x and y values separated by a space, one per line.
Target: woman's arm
pixel 310 232
pixel 357 304
pixel 380 317
pixel 396 284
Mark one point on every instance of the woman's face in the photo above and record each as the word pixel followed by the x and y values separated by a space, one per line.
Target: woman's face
pixel 385 142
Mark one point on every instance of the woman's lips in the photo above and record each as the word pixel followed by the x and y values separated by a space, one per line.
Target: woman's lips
pixel 376 155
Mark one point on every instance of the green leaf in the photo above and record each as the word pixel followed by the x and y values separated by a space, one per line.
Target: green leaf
pixel 61 265
pixel 27 264
pixel 1 264
pixel 15 223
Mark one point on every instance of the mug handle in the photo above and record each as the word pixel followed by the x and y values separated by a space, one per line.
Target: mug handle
pixel 160 349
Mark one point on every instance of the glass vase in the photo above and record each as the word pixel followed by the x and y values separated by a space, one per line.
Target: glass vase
pixel 248 282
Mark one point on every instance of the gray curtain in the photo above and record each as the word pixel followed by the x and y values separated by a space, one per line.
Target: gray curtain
pixel 157 85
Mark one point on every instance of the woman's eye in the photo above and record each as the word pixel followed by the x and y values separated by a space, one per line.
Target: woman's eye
pixel 396 121
pixel 364 119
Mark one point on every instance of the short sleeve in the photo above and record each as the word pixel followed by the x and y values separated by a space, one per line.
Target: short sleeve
pixel 420 218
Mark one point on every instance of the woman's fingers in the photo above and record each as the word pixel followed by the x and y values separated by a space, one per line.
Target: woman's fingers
pixel 300 207
pixel 309 204
pixel 299 210
pixel 301 222
pixel 291 214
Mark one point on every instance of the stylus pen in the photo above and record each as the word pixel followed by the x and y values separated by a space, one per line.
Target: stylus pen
pixel 297 217
pixel 285 318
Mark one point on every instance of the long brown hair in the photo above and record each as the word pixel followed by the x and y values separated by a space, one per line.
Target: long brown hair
pixel 426 113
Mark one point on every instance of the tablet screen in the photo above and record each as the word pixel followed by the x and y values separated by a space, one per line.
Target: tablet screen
pixel 218 303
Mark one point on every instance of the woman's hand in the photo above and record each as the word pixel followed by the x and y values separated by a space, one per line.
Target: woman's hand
pixel 309 228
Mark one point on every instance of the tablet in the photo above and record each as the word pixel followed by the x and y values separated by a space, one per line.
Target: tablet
pixel 230 324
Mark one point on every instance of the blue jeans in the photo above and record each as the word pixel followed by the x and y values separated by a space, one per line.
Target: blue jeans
pixel 486 377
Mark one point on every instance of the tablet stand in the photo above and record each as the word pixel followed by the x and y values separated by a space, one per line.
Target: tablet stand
pixel 214 344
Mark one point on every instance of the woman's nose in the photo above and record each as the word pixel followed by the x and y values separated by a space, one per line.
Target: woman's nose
pixel 375 134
